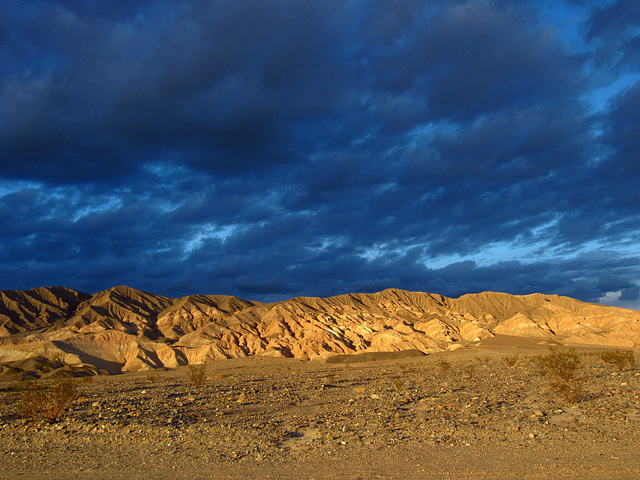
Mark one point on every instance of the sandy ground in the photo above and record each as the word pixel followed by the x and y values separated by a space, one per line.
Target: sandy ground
pixel 466 414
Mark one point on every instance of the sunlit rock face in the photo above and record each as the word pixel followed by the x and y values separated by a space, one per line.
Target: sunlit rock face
pixel 122 329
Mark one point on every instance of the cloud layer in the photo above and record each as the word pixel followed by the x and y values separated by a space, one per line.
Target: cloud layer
pixel 274 149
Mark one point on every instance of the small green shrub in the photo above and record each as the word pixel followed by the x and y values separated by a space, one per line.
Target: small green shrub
pixel 197 374
pixel 562 368
pixel 38 402
pixel 560 365
pixel 619 358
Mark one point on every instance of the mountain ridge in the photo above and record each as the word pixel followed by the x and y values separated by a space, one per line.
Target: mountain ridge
pixel 120 329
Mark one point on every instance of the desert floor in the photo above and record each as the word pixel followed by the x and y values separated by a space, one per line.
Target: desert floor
pixel 466 414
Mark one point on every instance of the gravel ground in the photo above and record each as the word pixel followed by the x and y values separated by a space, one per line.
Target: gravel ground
pixel 463 414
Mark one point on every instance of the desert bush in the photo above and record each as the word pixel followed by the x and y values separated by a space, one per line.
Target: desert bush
pixel 510 360
pixel 398 384
pixel 619 358
pixel 562 368
pixel 571 392
pixel 470 369
pixel 406 368
pixel 38 402
pixel 560 365
pixel 444 365
pixel 197 374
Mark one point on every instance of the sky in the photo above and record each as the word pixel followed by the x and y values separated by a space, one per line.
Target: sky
pixel 282 148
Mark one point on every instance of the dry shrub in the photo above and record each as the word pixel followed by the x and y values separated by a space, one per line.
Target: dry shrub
pixel 483 360
pixel 619 358
pixel 571 392
pixel 510 360
pixel 38 402
pixel 469 369
pixel 562 368
pixel 398 384
pixel 560 365
pixel 443 365
pixel 197 374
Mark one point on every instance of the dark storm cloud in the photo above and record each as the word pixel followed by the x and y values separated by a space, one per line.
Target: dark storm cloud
pixel 218 86
pixel 468 60
pixel 614 26
pixel 621 136
pixel 226 86
pixel 604 199
pixel 273 149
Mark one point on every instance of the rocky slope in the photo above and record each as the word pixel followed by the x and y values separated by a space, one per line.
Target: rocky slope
pixel 46 330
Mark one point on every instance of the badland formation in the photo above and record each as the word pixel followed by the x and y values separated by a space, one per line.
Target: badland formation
pixel 49 330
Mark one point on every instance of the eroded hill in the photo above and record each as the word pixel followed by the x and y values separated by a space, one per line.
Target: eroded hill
pixel 122 329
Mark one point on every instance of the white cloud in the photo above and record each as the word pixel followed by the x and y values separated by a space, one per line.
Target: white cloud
pixel 613 299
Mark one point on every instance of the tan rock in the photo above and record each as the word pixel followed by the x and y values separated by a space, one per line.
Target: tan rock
pixel 122 329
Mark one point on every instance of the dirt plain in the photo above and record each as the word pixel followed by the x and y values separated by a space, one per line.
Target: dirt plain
pixel 466 414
